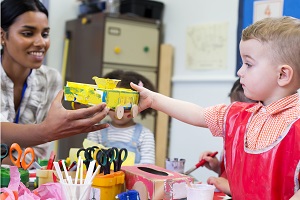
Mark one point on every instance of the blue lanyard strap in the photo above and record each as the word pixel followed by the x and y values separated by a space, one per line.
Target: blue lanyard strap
pixel 22 96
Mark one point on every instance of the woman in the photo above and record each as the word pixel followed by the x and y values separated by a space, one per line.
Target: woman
pixel 31 108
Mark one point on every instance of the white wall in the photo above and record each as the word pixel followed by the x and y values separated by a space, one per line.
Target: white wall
pixel 59 13
pixel 203 87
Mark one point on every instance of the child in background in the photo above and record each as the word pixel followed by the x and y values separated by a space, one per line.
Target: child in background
pixel 125 132
pixel 213 163
pixel 261 140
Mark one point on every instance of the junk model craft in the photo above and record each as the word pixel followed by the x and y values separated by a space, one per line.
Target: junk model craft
pixel 105 90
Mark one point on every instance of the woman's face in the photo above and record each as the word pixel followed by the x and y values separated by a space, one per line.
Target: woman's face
pixel 27 40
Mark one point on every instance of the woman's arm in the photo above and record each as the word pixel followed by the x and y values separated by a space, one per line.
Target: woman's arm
pixel 59 123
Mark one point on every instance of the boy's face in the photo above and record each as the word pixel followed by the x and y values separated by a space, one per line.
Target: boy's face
pixel 258 73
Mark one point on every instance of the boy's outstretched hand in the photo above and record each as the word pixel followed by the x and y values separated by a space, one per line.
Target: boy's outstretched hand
pixel 146 96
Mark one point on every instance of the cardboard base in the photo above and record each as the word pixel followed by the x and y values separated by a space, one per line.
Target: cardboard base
pixel 153 182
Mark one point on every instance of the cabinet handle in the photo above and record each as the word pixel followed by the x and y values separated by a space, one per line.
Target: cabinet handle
pixel 117 50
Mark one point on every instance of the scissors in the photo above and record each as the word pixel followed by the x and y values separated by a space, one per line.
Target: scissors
pixel 119 159
pixel 4 151
pixel 88 154
pixel 104 158
pixel 17 161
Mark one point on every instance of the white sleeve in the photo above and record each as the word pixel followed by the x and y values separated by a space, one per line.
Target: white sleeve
pixel 3 118
pixel 41 151
pixel 147 147
pixel 95 136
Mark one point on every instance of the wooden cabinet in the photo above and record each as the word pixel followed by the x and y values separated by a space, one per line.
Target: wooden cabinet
pixel 99 43
pixel 131 43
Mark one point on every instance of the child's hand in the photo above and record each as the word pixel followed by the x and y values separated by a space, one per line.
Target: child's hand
pixel 146 96
pixel 220 183
pixel 296 196
pixel 212 162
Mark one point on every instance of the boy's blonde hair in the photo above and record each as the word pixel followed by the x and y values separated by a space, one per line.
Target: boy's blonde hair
pixel 282 37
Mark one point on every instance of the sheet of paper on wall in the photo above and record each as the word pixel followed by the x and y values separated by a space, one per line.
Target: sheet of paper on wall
pixel 207 46
pixel 268 8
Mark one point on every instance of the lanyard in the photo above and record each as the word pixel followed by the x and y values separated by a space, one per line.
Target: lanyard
pixel 23 92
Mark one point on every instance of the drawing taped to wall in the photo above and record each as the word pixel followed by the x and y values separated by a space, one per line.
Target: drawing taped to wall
pixel 269 8
pixel 206 46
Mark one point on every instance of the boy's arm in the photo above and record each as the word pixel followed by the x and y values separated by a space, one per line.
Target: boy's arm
pixel 184 111
pixel 296 196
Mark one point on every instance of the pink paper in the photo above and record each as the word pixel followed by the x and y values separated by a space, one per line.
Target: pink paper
pixel 49 191
pixel 14 178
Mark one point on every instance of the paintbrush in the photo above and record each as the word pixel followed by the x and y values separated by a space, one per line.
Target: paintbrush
pixel 199 164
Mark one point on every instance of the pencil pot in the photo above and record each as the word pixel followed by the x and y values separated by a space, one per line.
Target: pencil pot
pixel 106 187
pixel 44 176
pixel 177 165
pixel 75 191
pixel 120 182
pixel 72 174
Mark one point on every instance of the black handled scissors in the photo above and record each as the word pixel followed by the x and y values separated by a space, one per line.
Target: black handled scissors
pixel 88 154
pixel 120 158
pixel 104 158
pixel 4 151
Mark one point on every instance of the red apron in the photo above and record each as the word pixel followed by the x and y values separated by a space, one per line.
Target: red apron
pixel 271 173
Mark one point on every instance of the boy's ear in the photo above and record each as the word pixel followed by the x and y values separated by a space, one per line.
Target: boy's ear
pixel 286 73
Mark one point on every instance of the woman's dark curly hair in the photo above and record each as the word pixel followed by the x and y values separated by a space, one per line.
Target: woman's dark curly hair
pixel 130 76
pixel 12 9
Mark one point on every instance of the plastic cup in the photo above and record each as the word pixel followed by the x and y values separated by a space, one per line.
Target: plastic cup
pixel 76 191
pixel 176 166
pixel 200 192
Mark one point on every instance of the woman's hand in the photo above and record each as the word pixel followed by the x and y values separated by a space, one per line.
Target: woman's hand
pixel 62 123
pixel 59 123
